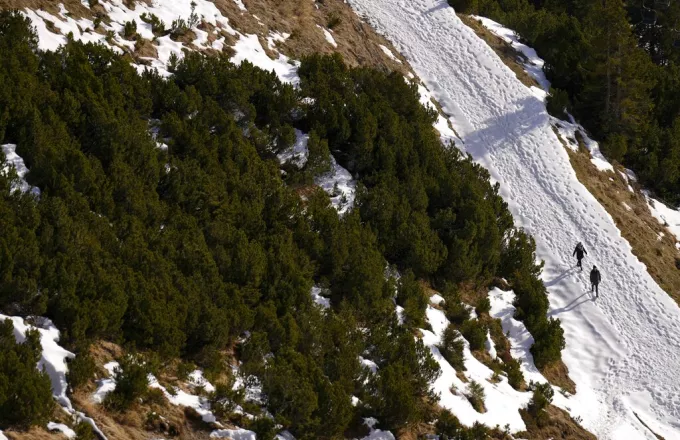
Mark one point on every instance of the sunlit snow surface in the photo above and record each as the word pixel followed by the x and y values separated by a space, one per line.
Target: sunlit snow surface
pixel 666 215
pixel 107 384
pixel 328 36
pixel 623 349
pixel 60 427
pixel 17 162
pixel 340 185
pixel 533 64
pixel 390 54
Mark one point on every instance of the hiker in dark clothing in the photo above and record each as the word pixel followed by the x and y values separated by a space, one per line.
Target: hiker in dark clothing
pixel 595 279
pixel 579 252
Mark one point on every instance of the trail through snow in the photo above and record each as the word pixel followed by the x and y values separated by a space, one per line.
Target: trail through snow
pixel 623 348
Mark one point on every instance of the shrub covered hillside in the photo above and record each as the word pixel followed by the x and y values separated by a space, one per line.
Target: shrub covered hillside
pixel 182 250
pixel 615 65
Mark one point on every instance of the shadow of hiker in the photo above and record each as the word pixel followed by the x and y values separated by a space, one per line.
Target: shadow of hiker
pixel 571 306
pixel 562 276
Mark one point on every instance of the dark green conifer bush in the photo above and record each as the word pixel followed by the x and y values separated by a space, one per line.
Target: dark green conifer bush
pixel 25 392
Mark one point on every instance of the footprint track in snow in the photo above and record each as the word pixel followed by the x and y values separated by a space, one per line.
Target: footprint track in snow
pixel 621 348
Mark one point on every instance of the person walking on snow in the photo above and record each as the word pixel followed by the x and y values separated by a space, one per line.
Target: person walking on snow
pixel 595 279
pixel 579 252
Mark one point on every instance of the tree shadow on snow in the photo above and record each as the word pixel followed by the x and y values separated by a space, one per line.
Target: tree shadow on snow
pixel 572 305
pixel 562 276
pixel 442 5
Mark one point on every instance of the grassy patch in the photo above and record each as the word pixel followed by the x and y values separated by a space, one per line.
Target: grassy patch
pixel 559 425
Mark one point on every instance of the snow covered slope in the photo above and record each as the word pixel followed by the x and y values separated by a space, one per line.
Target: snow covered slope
pixel 623 349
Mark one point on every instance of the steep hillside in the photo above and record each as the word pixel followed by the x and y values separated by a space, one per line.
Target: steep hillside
pixel 179 214
pixel 622 347
pixel 401 300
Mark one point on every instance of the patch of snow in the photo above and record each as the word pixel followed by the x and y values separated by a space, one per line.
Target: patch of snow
pixel 284 435
pixel 340 185
pixel 376 434
pixel 240 5
pixel 625 205
pixel 248 48
pixel 367 363
pixel 90 421
pixel 329 37
pixel 234 434
pixel 17 162
pixel 322 301
pixel 53 356
pixel 181 398
pixel 297 154
pixel 52 361
pixel 666 215
pixel 502 401
pixel 490 346
pixel 386 50
pixel 471 310
pixel 447 135
pixel 568 132
pixel 252 386
pixel 275 37
pixel 534 63
pixel 196 379
pixel 68 432
pixel 119 14
pixel 399 310
pixel 436 299
pixel 107 384
pixel 2 436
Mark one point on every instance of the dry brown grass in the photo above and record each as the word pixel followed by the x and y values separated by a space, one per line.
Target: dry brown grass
pixel 74 7
pixel 652 243
pixel 134 423
pixel 357 41
pixel 557 374
pixel 510 57
pixel 560 425
pixel 145 49
pixel 34 433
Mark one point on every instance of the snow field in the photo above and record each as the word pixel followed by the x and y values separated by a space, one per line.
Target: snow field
pixel 622 350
